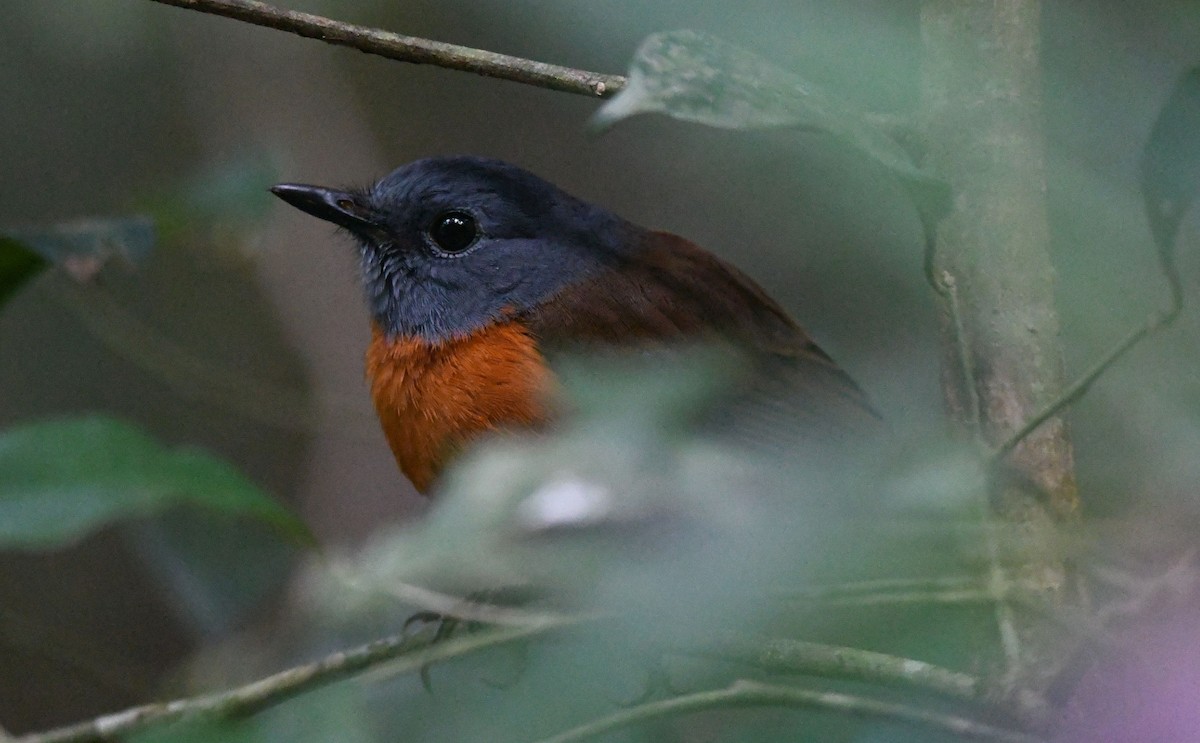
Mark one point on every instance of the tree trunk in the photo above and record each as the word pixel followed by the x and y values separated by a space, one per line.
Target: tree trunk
pixel 1003 361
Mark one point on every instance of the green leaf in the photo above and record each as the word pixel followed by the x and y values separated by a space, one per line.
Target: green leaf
pixel 61 479
pixel 17 265
pixel 1171 160
pixel 692 76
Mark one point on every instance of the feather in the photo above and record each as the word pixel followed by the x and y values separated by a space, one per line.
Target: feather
pixel 673 291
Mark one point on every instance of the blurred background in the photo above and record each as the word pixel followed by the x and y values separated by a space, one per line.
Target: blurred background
pixel 115 107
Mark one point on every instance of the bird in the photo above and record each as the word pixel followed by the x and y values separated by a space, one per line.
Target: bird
pixel 478 274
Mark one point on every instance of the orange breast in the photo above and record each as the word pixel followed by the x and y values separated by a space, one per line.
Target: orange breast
pixel 432 398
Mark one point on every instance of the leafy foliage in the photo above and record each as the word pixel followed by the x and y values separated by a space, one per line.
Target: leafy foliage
pixel 1171 160
pixel 18 265
pixel 692 76
pixel 61 479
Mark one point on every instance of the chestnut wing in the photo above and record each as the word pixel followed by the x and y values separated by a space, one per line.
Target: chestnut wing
pixel 674 291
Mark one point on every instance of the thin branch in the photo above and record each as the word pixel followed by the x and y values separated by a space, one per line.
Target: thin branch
pixel 1081 385
pixel 895 591
pixel 461 608
pixel 965 358
pixel 879 586
pixel 964 596
pixel 400 653
pixel 411 48
pixel 743 693
pixel 1159 320
pixel 782 655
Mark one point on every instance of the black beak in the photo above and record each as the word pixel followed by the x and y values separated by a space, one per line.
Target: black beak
pixel 343 208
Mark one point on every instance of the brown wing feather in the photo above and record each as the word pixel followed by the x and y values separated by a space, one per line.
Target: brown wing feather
pixel 674 291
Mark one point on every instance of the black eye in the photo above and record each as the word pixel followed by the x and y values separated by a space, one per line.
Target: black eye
pixel 454 232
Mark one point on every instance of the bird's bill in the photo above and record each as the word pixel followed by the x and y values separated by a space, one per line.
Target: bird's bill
pixel 343 208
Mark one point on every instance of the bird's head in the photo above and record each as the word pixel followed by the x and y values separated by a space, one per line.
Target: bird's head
pixel 450 244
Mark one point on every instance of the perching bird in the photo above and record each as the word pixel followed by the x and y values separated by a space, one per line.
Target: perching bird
pixel 477 271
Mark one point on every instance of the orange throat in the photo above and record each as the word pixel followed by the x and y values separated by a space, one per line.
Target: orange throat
pixel 433 398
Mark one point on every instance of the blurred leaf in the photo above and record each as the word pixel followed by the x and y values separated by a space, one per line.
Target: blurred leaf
pixel 1171 167
pixel 692 76
pixel 18 264
pixel 61 479
pixel 627 505
pixel 83 247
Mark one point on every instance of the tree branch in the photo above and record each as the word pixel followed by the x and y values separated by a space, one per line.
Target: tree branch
pixel 743 693
pixel 405 653
pixel 411 48
pixel 781 655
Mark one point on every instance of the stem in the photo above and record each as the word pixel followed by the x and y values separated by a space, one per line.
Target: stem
pixel 282 686
pixel 883 585
pixel 780 655
pixel 743 693
pixel 411 48
pixel 1081 385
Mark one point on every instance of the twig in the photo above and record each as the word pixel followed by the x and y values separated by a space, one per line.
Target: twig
pixel 458 607
pixel 963 352
pixel 285 685
pixel 946 597
pixel 950 590
pixel 1159 320
pixel 1005 621
pixel 743 693
pixel 1081 385
pixel 782 655
pixel 883 585
pixel 411 48
pixel 1006 624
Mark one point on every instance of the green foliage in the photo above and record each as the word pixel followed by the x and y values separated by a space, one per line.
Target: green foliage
pixel 18 265
pixel 692 76
pixel 61 479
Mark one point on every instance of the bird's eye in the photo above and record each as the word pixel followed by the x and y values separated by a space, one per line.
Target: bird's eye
pixel 454 231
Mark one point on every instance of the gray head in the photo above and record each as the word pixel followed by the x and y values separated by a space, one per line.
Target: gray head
pixel 449 244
